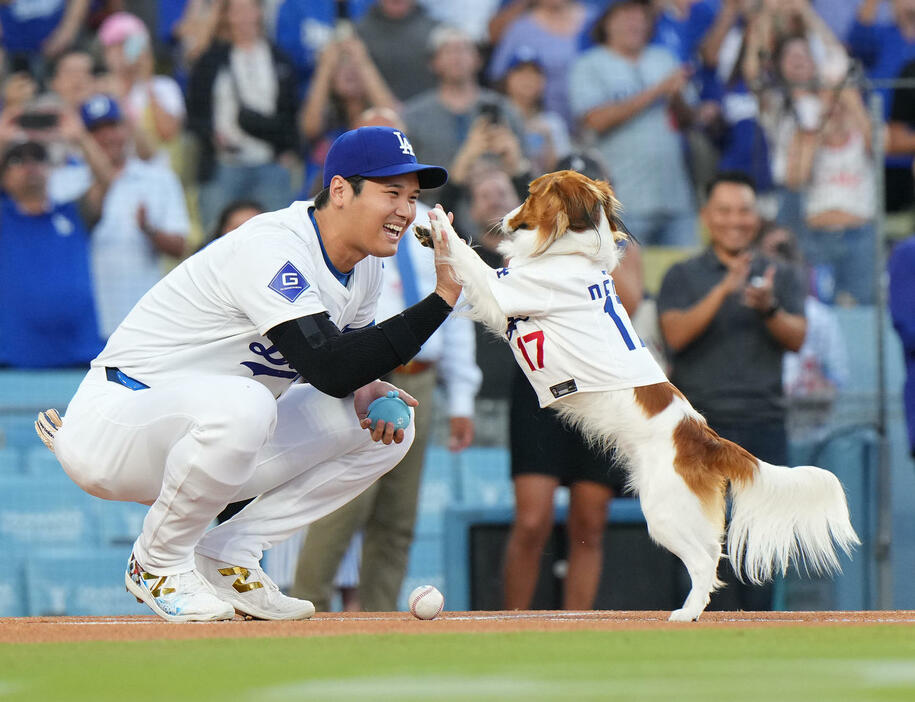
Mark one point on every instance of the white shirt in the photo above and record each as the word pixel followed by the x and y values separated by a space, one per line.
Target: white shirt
pixel 568 329
pixel 210 314
pixel 453 347
pixel 249 81
pixel 842 179
pixel 125 264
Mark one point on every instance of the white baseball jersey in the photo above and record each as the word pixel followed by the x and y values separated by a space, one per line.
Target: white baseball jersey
pixel 568 329
pixel 210 314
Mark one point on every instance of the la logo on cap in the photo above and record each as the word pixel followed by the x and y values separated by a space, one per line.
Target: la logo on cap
pixel 405 146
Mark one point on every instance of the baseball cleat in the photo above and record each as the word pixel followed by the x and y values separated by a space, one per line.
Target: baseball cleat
pixel 183 597
pixel 46 427
pixel 251 591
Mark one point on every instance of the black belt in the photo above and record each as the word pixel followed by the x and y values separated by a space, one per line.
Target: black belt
pixel 116 376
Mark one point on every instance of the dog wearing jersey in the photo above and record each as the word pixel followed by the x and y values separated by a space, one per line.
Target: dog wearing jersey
pixel 556 305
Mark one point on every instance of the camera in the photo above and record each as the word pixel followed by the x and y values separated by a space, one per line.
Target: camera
pixel 492 111
pixel 38 120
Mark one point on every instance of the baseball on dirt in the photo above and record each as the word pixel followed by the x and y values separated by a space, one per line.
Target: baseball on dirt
pixel 426 602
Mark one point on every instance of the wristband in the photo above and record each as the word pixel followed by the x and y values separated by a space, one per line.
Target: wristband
pixel 769 313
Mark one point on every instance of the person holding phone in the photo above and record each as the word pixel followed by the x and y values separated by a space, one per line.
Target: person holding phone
pixel 153 104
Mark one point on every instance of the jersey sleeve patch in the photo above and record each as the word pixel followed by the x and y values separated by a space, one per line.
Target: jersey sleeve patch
pixel 289 282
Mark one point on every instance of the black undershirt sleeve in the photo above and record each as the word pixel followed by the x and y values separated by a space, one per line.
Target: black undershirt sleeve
pixel 338 364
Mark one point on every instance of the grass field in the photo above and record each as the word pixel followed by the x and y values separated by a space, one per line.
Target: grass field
pixel 775 664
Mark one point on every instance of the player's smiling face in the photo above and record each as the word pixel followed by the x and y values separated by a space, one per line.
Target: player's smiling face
pixel 381 213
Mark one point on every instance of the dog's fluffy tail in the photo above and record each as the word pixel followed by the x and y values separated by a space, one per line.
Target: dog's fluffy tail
pixel 788 515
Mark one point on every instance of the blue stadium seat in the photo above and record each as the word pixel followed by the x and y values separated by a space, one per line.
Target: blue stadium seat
pixel 45 511
pixel 28 391
pixel 484 477
pixel 12 589
pixel 17 430
pixel 84 582
pixel 120 523
pixel 10 461
pixel 41 462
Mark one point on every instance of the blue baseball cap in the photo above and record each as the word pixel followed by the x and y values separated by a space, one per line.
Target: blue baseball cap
pixel 98 110
pixel 374 152
pixel 524 56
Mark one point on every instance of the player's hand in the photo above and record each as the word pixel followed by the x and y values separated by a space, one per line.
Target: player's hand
pixel 364 396
pixel 461 434
pixel 446 285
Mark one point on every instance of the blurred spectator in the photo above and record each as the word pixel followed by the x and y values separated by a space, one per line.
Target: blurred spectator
pixel 546 136
pixel 728 317
pixel 680 25
pixel 305 27
pixel 33 31
pixel 47 308
pixel 346 83
pixel 901 295
pixel 18 90
pixel 473 16
pixel 885 48
pixel 242 107
pixel 459 120
pixel 551 29
pixel 492 195
pixel 812 376
pixel 202 23
pixel 396 33
pixel 72 78
pixel 152 103
pixel 386 512
pixel 831 158
pixel 623 90
pixel 235 214
pixel 143 216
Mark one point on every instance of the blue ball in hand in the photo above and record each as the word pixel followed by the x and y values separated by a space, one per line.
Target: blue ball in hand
pixel 390 408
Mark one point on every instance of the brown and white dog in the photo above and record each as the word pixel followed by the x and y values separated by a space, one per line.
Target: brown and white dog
pixel 678 465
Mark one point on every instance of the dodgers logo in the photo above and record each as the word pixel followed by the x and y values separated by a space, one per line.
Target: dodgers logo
pixel 405 146
pixel 289 282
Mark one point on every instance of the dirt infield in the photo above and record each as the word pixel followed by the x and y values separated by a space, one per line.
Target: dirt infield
pixel 68 629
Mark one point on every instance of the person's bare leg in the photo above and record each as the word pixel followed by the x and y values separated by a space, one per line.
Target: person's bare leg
pixel 529 532
pixel 587 519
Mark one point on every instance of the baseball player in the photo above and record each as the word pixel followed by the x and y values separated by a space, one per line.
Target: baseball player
pixel 194 401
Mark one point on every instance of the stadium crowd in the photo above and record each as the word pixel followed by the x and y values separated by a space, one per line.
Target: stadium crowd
pixel 131 131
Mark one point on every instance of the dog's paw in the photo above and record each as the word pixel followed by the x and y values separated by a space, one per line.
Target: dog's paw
pixel 684 615
pixel 423 235
pixel 441 226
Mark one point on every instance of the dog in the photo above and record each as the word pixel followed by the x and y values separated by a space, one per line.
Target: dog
pixel 556 306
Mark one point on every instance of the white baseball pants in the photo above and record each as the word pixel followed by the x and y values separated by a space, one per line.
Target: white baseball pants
pixel 189 448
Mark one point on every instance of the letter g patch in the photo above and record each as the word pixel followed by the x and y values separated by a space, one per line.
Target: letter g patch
pixel 289 282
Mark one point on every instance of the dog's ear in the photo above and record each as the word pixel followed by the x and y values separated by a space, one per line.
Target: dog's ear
pixel 613 210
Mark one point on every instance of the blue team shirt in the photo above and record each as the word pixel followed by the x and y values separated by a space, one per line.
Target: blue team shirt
pixel 47 308
pixel 27 23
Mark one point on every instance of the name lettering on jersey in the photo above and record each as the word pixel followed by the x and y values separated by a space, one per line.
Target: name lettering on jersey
pixel 613 306
pixel 272 356
pixel 405 146
pixel 513 325
pixel 289 282
pixel 502 272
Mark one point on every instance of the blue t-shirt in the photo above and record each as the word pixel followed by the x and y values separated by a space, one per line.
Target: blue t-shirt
pixel 47 308
pixel 27 23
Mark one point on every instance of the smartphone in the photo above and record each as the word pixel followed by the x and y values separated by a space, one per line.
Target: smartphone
pixel 134 46
pixel 492 111
pixel 38 120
